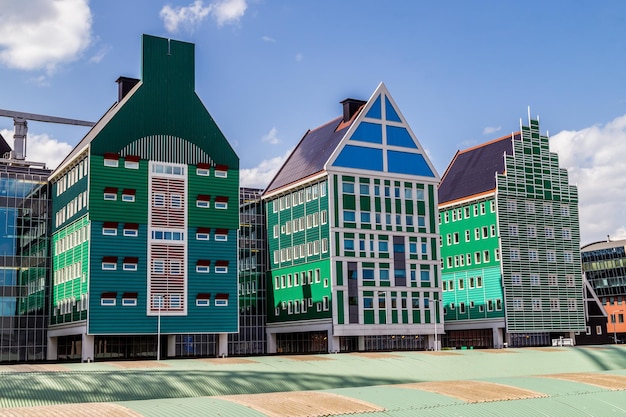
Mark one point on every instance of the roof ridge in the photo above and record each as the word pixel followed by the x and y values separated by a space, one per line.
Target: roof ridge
pixel 509 136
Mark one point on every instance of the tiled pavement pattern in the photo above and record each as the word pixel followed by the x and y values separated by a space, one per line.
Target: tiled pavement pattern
pixel 577 381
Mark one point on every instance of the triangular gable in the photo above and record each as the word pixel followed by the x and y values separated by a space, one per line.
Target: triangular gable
pixel 381 140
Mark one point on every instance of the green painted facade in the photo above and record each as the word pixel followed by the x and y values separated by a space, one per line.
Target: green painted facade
pixel 146 212
pixel 471 263
pixel 298 242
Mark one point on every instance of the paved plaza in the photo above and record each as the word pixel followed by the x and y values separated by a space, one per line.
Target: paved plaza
pixel 574 381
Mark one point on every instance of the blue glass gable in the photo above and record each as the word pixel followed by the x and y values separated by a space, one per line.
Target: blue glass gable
pixel 368 132
pixel 390 112
pixel 360 157
pixel 408 163
pixel 399 136
pixel 375 111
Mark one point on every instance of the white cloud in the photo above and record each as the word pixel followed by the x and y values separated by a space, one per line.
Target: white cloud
pixel 491 129
pixel 229 11
pixel 594 158
pixel 41 148
pixel 189 17
pixel 299 57
pixel 98 56
pixel 268 39
pixel 271 137
pixel 261 175
pixel 42 34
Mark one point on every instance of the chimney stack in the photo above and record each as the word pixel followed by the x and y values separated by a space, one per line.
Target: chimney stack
pixel 124 85
pixel 350 106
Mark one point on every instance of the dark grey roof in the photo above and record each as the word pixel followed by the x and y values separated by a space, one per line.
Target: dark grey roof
pixel 4 147
pixel 473 171
pixel 310 155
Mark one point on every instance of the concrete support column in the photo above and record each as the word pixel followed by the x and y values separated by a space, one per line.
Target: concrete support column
pixel 88 344
pixel 171 346
pixel 572 335
pixel 431 342
pixel 498 337
pixel 361 343
pixel 333 344
pixel 271 342
pixel 222 345
pixel 51 355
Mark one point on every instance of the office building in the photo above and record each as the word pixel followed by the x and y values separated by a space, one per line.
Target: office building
pixel 353 237
pixel 510 245
pixel 145 216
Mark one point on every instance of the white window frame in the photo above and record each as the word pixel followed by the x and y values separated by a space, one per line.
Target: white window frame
pixel 109 231
pixel 109 266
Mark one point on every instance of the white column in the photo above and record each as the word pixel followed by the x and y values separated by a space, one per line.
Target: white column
pixel 333 344
pixel 88 354
pixel 171 345
pixel 361 343
pixel 51 355
pixel 271 342
pixel 222 345
pixel 498 339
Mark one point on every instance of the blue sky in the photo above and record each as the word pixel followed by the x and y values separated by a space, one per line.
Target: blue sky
pixel 462 73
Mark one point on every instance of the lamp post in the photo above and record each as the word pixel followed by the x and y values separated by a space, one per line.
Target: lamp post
pixel 159 299
pixel 615 325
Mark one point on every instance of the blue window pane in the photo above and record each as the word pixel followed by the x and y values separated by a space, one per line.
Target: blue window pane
pixel 349 216
pixel 348 187
pixel 348 244
pixel 368 274
pixel 383 246
pixel 365 217
pixel 384 275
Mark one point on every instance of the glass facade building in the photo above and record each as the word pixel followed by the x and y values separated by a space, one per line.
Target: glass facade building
pixel 24 261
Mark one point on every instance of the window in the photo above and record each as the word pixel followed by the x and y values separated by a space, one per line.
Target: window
pixel 203 169
pixel 514 254
pixel 536 304
pixel 324 217
pixel 349 216
pixel 221 235
pixel 221 203
pixel 534 279
pixel 598 330
pixel 129 299
pixel 554 304
pixel 203 266
pixel 533 255
pixel 203 201
pixel 549 232
pixel 564 210
pixel 348 244
pixel 131 230
pixel 176 201
pixel 221 300
pixel 530 207
pixel 203 233
pixel 516 279
pixel 553 280
pixel 383 246
pixel 467 235
pixel 493 230
pixel 108 299
pixel 513 229
pixel 130 263
pixel 571 304
pixel 568 257
pixel 158 266
pixel 221 267
pixel 477 233
pixel 158 200
pixel 110 193
pixel 111 160
pixel 347 187
pixel 203 300
pixel 109 263
pixel 168 169
pixel 551 256
pixel 408 194
pixel 569 279
pixel 518 304
pixel 497 254
pixel 461 284
pixel 532 231
pixel 456 237
pixel 131 162
pixel 511 205
pixel 109 230
pixel 567 234
pixel 128 195
pixel 466 212
pixel 547 209
pixel 476 258
pixel 485 256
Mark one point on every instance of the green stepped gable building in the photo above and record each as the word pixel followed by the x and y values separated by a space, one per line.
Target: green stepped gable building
pixel 510 245
pixel 145 218
pixel 353 237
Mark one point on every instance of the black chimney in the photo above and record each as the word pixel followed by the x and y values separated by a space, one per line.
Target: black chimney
pixel 350 106
pixel 124 85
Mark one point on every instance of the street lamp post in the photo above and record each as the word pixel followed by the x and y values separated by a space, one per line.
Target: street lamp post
pixel 615 325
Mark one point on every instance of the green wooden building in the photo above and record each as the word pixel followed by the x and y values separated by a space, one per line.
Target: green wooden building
pixel 510 245
pixel 145 219
pixel 353 237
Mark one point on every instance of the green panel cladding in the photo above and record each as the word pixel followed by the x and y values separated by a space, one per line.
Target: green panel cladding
pixel 540 237
pixel 161 120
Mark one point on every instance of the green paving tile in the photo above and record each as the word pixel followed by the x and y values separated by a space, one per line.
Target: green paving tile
pixel 197 407
pixel 548 386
